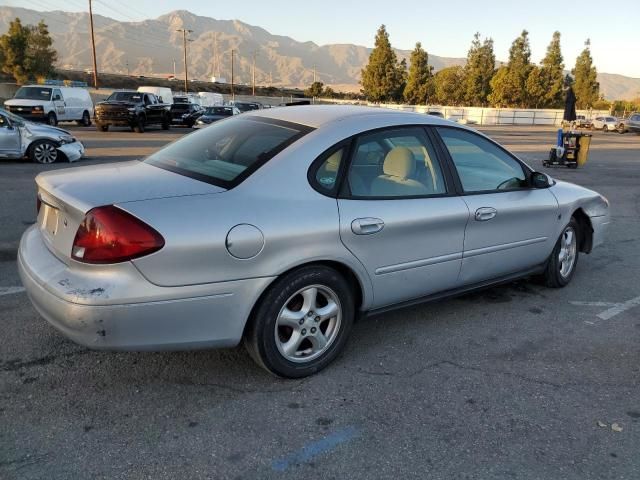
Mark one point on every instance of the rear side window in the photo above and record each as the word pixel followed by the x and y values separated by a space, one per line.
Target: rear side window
pixel 229 151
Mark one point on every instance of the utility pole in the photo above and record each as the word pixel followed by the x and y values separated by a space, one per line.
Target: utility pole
pixel 174 68
pixel 127 63
pixel 184 47
pixel 93 48
pixel 233 94
pixel 216 63
pixel 314 73
pixel 253 89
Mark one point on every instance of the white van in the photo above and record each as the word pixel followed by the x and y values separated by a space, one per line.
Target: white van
pixel 52 104
pixel 164 94
pixel 210 99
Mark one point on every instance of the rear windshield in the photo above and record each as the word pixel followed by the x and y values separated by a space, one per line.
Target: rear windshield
pixel 219 111
pixel 229 151
pixel 134 97
pixel 33 93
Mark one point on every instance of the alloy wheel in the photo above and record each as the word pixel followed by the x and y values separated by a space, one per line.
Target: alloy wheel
pixel 308 323
pixel 568 251
pixel 45 152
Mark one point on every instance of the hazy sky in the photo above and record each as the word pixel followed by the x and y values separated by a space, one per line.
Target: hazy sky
pixel 445 28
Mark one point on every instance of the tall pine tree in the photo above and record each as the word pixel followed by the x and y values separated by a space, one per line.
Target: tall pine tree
pixel 14 46
pixel 552 74
pixel 449 86
pixel 510 89
pixel 585 86
pixel 383 78
pixel 419 82
pixel 479 71
pixel 40 54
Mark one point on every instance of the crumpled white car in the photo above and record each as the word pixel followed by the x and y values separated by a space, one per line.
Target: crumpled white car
pixel 40 143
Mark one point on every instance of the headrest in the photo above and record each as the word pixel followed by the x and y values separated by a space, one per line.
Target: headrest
pixel 399 162
pixel 333 162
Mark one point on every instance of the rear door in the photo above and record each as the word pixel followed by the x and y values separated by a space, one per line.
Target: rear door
pixel 402 220
pixel 511 225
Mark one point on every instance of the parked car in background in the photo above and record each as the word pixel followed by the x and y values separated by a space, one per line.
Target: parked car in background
pixel 604 123
pixel 210 99
pixel 52 104
pixel 246 106
pixel 20 138
pixel 278 227
pixel 163 94
pixel 435 113
pixel 213 114
pixel 581 122
pixel 188 98
pixel 629 124
pixel 132 109
pixel 185 114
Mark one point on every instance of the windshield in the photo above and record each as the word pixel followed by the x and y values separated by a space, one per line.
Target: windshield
pixel 228 151
pixel 245 107
pixel 134 97
pixel 219 111
pixel 14 118
pixel 33 93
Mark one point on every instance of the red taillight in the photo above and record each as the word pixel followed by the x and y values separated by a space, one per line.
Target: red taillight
pixel 110 235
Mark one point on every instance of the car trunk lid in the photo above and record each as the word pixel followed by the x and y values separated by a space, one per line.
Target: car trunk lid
pixel 67 195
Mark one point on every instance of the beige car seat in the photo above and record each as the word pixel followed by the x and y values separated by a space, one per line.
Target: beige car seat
pixel 399 169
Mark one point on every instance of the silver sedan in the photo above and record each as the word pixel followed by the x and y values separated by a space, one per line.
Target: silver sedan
pixel 280 227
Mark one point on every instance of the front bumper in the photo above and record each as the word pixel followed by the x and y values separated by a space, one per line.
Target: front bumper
pixel 600 227
pixel 113 307
pixel 73 151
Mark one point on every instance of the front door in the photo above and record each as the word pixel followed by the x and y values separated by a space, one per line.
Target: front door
pixel 400 217
pixel 511 225
pixel 59 104
pixel 9 138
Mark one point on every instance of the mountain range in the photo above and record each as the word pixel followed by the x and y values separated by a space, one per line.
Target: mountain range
pixel 155 47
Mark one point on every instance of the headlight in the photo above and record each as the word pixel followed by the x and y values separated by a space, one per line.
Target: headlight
pixel 66 139
pixel 199 122
pixel 37 107
pixel 131 110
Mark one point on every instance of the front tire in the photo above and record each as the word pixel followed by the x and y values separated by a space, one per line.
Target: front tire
pixel 52 119
pixel 302 323
pixel 103 127
pixel 563 260
pixel 43 152
pixel 138 127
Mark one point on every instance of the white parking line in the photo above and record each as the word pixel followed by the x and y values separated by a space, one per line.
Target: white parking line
pixel 621 307
pixel 615 308
pixel 10 290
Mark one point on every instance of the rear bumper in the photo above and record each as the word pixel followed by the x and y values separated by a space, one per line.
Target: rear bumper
pixel 116 308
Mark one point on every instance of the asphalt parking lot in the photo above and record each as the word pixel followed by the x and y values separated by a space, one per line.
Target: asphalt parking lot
pixel 518 381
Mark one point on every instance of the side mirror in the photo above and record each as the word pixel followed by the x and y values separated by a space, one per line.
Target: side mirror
pixel 540 180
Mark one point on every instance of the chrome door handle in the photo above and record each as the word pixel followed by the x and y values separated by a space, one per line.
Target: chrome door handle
pixel 485 213
pixel 366 226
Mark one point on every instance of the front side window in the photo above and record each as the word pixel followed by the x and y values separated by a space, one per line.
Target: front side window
pixel 57 95
pixel 228 151
pixel 481 165
pixel 395 163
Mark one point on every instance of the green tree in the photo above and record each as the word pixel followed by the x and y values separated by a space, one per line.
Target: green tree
pixel 383 77
pixel 585 85
pixel 552 74
pixel 537 87
pixel 448 86
pixel 329 93
pixel 479 71
pixel 419 81
pixel 512 86
pixel 497 97
pixel 40 54
pixel 14 45
pixel 315 90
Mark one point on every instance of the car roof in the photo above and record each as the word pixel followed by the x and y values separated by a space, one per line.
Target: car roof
pixel 318 115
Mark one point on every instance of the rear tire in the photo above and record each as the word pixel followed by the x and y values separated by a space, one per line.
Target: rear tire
pixel 563 260
pixel 302 322
pixel 621 129
pixel 86 120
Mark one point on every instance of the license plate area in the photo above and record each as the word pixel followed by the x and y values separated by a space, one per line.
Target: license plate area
pixel 49 221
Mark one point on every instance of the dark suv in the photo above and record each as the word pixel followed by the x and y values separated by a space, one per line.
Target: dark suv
pixel 132 109
pixel 185 113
